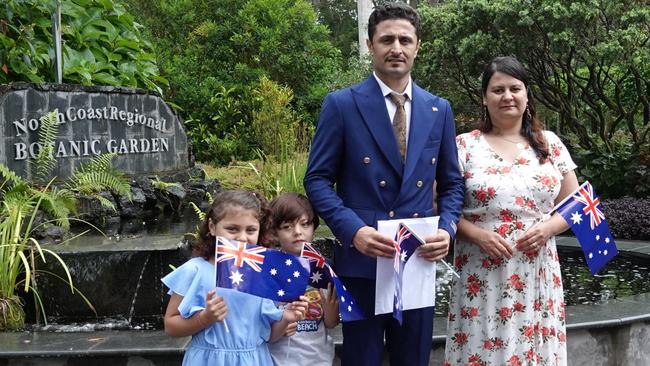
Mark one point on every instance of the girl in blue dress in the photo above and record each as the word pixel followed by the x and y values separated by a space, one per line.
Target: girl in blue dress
pixel 227 327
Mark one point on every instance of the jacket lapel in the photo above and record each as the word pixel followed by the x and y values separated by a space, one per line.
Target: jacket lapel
pixel 371 104
pixel 422 120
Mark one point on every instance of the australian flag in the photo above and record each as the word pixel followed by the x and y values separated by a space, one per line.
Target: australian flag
pixel 405 245
pixel 259 271
pixel 321 274
pixel 582 212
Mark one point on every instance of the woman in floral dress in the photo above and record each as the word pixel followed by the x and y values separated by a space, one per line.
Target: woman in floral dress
pixel 507 308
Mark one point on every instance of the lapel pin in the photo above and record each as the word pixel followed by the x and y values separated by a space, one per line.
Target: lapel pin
pixel 434 109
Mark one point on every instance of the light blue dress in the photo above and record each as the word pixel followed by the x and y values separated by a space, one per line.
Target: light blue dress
pixel 249 319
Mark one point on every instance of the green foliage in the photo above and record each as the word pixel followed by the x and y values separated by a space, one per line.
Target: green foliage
pixel 276 126
pixel 99 175
pixel 589 62
pixel 19 254
pixel 340 16
pixel 101 44
pixel 244 40
pixel 44 162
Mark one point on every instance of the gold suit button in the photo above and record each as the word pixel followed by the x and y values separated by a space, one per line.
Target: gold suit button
pixel 433 161
pixel 415 214
pixel 419 184
pixel 391 214
pixel 382 183
pixel 366 160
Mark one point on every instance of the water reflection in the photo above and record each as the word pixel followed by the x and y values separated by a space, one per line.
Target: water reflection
pixel 623 276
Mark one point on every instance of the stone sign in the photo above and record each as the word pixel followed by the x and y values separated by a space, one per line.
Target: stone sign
pixel 145 133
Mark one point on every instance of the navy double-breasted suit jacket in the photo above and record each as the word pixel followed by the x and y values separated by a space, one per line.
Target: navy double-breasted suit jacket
pixel 355 175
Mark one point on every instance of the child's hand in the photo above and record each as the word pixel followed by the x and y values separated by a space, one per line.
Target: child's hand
pixel 296 310
pixel 291 329
pixel 331 299
pixel 215 309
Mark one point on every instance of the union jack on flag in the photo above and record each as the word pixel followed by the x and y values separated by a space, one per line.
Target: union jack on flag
pixel 405 245
pixel 240 252
pixel 585 195
pixel 312 255
pixel 321 274
pixel 595 239
pixel 259 271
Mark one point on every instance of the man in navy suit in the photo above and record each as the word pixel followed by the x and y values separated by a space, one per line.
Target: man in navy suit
pixel 357 175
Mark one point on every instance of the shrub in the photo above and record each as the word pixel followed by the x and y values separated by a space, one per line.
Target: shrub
pixel 101 44
pixel 628 217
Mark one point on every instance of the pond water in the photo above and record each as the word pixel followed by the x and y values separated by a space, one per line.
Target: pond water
pixel 623 276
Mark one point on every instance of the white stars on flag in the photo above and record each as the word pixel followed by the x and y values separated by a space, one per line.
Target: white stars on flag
pixel 236 278
pixel 288 262
pixel 576 218
pixel 296 274
pixel 316 277
pixel 273 271
pixel 280 292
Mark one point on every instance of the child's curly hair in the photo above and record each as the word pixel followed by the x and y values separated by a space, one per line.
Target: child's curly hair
pixel 225 201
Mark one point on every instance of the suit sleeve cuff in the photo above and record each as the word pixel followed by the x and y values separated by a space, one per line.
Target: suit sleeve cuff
pixel 449 227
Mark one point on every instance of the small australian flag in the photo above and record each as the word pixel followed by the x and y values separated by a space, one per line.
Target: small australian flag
pixel 406 242
pixel 581 210
pixel 259 271
pixel 321 274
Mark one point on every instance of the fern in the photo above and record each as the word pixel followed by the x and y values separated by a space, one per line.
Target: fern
pixel 10 176
pixel 198 211
pixel 44 162
pixel 99 175
pixel 59 203
pixel 105 202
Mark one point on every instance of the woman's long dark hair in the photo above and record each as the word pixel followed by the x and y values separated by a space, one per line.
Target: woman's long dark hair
pixel 531 127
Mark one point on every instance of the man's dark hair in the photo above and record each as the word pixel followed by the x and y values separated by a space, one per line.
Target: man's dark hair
pixel 396 10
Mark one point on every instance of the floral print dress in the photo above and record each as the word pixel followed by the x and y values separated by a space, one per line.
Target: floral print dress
pixel 507 311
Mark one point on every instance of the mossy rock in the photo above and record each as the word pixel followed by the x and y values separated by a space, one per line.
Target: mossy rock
pixel 12 315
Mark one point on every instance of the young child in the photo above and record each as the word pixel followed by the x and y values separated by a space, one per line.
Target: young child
pixel 227 327
pixel 294 222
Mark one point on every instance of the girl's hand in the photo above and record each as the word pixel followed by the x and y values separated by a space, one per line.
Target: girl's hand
pixel 534 238
pixel 215 309
pixel 296 310
pixel 494 245
pixel 291 329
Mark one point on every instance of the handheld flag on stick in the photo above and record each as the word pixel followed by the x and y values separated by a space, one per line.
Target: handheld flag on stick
pixel 581 210
pixel 321 274
pixel 405 245
pixel 258 271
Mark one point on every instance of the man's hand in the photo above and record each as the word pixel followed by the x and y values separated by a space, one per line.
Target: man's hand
pixel 436 246
pixel 370 242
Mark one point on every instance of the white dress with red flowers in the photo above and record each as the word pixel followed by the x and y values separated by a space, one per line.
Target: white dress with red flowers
pixel 507 311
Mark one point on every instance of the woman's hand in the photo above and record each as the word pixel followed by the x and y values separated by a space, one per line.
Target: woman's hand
pixel 535 238
pixel 494 245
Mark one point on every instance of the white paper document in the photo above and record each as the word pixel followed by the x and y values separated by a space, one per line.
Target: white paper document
pixel 419 287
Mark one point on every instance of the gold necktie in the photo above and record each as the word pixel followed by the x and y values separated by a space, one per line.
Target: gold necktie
pixel 399 123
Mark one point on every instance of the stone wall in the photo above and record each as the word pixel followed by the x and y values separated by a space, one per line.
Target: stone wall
pixel 145 133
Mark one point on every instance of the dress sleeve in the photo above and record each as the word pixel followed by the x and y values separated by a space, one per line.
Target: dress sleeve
pixel 559 154
pixel 461 145
pixel 269 314
pixel 186 282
